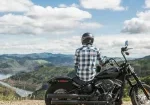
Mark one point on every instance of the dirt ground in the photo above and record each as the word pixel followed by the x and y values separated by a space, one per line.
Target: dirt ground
pixel 33 102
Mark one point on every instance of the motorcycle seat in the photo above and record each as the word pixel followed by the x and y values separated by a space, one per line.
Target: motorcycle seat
pixel 78 81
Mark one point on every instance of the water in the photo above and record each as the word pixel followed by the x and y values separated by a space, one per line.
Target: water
pixel 3 76
pixel 20 92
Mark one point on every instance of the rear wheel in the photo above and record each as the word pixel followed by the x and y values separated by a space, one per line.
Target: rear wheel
pixel 59 88
pixel 138 97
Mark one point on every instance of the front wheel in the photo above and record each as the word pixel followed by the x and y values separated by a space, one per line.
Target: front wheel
pixel 138 97
pixel 59 88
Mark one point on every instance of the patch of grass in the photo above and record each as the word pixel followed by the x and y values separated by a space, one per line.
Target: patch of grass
pixel 7 94
pixel 126 99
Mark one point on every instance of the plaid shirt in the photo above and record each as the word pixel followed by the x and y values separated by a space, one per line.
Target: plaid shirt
pixel 85 62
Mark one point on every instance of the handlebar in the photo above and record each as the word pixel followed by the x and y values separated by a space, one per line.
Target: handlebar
pixel 123 50
pixel 109 61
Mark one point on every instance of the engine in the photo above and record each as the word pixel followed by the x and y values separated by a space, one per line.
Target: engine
pixel 108 89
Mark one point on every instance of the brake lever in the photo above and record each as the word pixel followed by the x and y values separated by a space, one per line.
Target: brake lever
pixel 129 48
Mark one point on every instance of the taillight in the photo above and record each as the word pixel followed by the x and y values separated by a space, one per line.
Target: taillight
pixel 62 80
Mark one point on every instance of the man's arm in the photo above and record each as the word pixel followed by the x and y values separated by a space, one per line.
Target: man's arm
pixel 99 58
pixel 76 60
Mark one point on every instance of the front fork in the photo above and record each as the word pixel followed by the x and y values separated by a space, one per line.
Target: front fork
pixel 139 84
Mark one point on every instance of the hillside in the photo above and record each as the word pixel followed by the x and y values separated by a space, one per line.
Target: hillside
pixel 13 66
pixel 59 59
pixel 14 63
pixel 147 57
pixel 33 80
pixel 141 66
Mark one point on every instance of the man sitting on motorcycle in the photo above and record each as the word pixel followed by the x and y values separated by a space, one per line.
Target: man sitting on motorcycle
pixel 86 58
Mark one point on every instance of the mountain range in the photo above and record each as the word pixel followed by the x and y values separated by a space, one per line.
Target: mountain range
pixel 14 63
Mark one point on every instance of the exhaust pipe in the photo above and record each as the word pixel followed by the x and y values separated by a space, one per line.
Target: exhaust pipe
pixel 78 102
pixel 67 96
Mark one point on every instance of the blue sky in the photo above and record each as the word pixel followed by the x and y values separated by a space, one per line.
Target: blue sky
pixel 56 26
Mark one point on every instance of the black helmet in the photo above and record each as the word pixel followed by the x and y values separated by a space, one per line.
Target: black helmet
pixel 87 38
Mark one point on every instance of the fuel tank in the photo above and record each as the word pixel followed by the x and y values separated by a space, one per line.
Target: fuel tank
pixel 110 73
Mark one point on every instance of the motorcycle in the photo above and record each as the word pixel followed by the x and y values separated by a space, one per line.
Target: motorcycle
pixel 107 88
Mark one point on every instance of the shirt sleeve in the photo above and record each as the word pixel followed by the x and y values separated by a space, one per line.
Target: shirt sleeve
pixel 99 57
pixel 76 59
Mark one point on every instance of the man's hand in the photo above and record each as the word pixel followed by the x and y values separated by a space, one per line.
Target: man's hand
pixel 98 68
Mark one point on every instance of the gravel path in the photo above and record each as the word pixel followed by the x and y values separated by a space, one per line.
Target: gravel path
pixel 33 102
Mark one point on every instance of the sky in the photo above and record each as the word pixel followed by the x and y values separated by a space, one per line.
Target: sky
pixel 56 26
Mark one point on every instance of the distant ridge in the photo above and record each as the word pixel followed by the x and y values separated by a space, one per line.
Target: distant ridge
pixel 58 59
pixel 35 55
pixel 14 63
pixel 147 57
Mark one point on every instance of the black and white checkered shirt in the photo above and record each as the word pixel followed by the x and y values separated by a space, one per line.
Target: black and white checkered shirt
pixel 85 62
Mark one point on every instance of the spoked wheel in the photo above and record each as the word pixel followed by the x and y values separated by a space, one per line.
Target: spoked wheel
pixel 57 89
pixel 138 97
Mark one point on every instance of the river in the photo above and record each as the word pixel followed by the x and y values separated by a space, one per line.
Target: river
pixel 3 76
pixel 20 92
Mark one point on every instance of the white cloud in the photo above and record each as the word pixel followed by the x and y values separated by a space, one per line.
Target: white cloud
pixel 90 25
pixel 140 24
pixel 71 13
pixel 147 3
pixel 110 45
pixel 15 5
pixel 40 20
pixel 102 4
pixel 12 24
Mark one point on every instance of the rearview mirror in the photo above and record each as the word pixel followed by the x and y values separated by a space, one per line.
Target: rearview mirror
pixel 126 43
pixel 127 53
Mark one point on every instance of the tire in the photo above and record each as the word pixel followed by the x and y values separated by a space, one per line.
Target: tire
pixel 53 88
pixel 137 99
